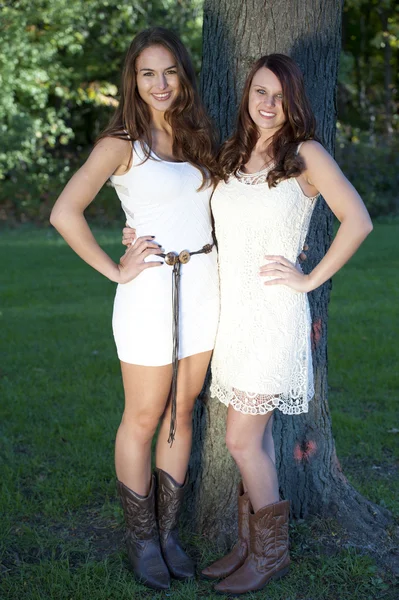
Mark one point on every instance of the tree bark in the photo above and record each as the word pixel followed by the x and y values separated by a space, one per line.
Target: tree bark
pixel 236 33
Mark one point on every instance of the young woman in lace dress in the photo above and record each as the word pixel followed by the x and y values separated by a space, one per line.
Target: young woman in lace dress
pixel 274 171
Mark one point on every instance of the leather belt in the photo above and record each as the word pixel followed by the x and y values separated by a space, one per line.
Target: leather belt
pixel 176 260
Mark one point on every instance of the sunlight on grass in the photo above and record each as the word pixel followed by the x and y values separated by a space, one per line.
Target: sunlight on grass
pixel 60 532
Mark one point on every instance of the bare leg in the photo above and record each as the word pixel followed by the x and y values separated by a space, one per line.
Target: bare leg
pixel 268 441
pixel 174 460
pixel 244 439
pixel 146 394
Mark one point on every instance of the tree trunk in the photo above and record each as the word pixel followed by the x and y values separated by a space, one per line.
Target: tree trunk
pixel 236 33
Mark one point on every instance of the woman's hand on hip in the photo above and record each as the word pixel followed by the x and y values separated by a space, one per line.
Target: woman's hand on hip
pixel 303 256
pixel 128 235
pixel 285 273
pixel 132 263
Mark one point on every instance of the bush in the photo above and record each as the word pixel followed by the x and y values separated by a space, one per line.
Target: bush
pixel 28 195
pixel 59 75
pixel 374 171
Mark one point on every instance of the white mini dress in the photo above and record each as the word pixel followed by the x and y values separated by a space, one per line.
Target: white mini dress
pixel 161 198
pixel 262 358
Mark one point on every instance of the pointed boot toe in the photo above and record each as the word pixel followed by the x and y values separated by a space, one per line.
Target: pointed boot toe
pixel 210 572
pixel 182 568
pixel 226 565
pixel 142 538
pixel 156 575
pixel 268 556
pixel 169 503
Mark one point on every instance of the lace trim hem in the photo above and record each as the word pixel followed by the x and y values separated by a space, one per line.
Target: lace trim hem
pixel 256 406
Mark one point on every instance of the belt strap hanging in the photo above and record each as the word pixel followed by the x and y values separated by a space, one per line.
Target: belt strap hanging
pixel 176 260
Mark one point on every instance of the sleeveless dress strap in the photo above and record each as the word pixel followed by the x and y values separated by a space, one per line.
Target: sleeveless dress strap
pixel 127 134
pixel 129 137
pixel 299 147
pixel 135 151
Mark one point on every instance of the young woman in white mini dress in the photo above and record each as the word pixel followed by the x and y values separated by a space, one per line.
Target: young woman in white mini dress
pixel 273 173
pixel 158 152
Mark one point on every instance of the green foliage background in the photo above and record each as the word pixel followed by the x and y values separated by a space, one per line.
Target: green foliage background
pixel 59 69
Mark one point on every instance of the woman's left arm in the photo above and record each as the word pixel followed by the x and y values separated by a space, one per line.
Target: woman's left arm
pixel 323 173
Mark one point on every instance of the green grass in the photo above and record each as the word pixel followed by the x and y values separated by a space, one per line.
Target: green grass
pixel 61 401
pixel 363 370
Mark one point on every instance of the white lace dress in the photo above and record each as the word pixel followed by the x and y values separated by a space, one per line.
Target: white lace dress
pixel 262 357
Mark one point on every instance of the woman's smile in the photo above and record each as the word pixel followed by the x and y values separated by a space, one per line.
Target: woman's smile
pixel 161 97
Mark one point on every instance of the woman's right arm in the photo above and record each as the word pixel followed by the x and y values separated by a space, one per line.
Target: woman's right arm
pixel 68 218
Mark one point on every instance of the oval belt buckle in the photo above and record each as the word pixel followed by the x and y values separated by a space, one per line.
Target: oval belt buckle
pixel 171 258
pixel 184 257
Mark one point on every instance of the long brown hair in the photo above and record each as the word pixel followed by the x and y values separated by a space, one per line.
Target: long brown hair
pixel 299 126
pixel 193 134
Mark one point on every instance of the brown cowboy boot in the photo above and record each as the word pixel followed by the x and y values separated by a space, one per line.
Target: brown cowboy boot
pixel 268 556
pixel 169 502
pixel 142 539
pixel 233 561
